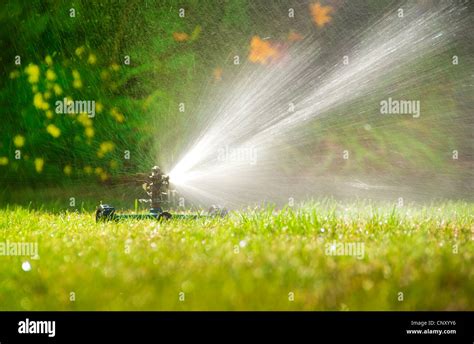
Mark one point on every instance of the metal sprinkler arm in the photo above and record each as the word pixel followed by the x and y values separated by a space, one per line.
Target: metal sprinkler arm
pixel 157 188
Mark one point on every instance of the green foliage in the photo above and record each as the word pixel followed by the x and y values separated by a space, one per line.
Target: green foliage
pixel 171 59
pixel 92 47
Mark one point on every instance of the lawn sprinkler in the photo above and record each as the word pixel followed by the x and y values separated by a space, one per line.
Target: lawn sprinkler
pixel 157 187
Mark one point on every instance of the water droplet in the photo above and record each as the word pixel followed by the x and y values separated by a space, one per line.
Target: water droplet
pixel 26 266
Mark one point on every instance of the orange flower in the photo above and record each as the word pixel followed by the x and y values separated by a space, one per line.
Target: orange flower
pixel 180 36
pixel 320 14
pixel 294 36
pixel 262 51
pixel 217 74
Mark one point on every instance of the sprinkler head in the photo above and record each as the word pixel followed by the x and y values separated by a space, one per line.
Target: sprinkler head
pixel 157 188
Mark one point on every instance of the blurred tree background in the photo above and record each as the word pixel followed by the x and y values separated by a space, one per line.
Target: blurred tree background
pixel 174 60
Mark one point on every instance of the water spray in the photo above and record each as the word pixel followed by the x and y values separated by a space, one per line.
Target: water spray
pixel 269 110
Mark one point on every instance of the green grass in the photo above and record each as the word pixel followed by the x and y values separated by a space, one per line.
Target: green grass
pixel 144 265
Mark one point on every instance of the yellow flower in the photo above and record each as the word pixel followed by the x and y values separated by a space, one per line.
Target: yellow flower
pixel 49 114
pixel 104 176
pixel 33 72
pixel 67 170
pixel 89 132
pixel 92 59
pixel 84 119
pixel 14 74
pixel 98 107
pixel 77 83
pixel 39 163
pixel 48 60
pixel 80 51
pixel 3 161
pixel 98 170
pixel 47 95
pixel 53 130
pixel 87 169
pixel 104 148
pixel 57 89
pixel 119 117
pixel 113 164
pixel 50 75
pixel 107 146
pixel 115 67
pixel 38 100
pixel 39 103
pixel 19 141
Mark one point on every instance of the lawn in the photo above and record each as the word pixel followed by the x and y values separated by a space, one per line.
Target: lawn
pixel 409 258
